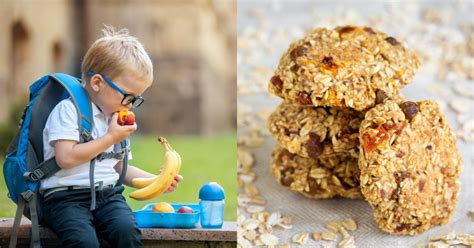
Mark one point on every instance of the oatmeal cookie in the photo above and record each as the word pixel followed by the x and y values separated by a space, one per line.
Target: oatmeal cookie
pixel 409 166
pixel 316 131
pixel 343 67
pixel 316 178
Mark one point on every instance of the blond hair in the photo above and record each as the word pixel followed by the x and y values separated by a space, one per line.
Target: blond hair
pixel 117 52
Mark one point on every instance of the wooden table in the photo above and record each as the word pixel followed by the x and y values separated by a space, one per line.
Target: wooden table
pixel 151 237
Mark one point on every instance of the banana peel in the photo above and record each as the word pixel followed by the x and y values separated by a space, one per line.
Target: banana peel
pixel 149 188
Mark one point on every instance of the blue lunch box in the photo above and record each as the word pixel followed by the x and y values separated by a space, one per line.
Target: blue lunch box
pixel 146 218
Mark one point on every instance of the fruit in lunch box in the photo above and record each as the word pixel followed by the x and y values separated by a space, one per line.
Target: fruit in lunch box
pixel 171 167
pixel 125 118
pixel 163 207
pixel 185 209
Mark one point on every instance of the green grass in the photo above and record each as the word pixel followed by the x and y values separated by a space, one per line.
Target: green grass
pixel 204 159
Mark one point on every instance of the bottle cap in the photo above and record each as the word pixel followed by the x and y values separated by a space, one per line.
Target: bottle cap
pixel 211 191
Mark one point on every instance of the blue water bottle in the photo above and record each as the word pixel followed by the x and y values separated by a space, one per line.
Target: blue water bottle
pixel 211 202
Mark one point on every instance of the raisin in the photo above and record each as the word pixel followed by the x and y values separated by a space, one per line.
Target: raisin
pixel 369 30
pixel 402 227
pixel 400 128
pixel 392 41
pixel 383 195
pixel 289 155
pixel 395 193
pixel 313 185
pixel 400 176
pixel 328 60
pixel 304 98
pixel 314 146
pixel 277 82
pixel 356 175
pixel 373 125
pixel 294 68
pixel 380 96
pixel 286 181
pixel 429 147
pixel 329 66
pixel 288 132
pixel 345 29
pixel 298 52
pixel 421 184
pixel 400 154
pixel 410 109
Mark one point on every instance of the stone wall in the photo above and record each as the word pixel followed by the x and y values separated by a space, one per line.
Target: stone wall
pixel 33 43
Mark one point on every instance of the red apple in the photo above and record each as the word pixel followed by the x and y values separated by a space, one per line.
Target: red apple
pixel 185 209
pixel 125 118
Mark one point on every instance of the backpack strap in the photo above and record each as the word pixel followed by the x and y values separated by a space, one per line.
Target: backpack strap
pixel 85 119
pixel 92 183
pixel 35 236
pixel 126 148
pixel 29 198
pixel 16 224
pixel 83 104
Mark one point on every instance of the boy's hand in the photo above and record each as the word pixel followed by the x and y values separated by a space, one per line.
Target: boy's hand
pixel 175 183
pixel 117 132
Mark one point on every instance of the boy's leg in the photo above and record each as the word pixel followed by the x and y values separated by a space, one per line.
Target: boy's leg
pixel 67 214
pixel 115 221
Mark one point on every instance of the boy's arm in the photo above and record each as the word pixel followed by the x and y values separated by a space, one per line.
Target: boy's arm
pixel 134 172
pixel 70 153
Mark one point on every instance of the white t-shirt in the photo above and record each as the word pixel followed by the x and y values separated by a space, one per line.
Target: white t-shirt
pixel 62 125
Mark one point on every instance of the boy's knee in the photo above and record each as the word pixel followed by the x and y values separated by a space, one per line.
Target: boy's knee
pixel 125 235
pixel 82 241
pixel 125 229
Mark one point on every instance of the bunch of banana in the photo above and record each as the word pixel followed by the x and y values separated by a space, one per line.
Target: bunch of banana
pixel 152 187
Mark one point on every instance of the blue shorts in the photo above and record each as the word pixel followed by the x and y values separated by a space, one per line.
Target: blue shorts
pixel 68 214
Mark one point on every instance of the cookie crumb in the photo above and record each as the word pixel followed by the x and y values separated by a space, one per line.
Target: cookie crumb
pixel 317 236
pixel 300 238
pixel 329 236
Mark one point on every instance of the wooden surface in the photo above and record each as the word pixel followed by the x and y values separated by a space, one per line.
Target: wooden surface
pixel 198 237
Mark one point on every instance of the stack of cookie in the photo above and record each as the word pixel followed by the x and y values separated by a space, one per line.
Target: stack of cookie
pixel 344 130
pixel 317 150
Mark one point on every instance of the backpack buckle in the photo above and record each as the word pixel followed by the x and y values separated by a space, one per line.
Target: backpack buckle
pixel 120 155
pixel 27 195
pixel 109 155
pixel 101 156
pixel 86 136
pixel 34 175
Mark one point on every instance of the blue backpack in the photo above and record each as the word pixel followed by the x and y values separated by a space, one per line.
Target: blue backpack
pixel 24 164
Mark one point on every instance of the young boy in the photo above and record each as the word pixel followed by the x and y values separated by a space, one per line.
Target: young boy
pixel 116 71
